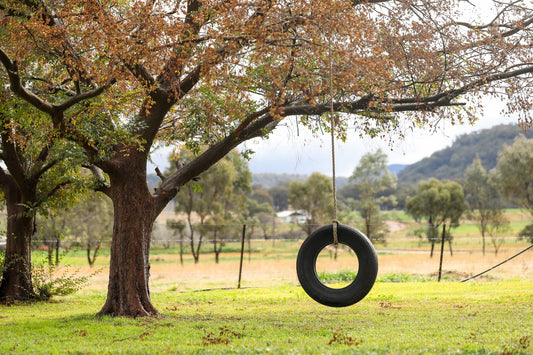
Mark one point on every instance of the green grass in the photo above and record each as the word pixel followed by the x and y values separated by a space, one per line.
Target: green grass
pixel 395 318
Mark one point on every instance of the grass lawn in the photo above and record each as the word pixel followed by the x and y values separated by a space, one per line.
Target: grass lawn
pixel 396 318
pixel 406 312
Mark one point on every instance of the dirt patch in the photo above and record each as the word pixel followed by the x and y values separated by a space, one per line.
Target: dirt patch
pixel 395 226
pixel 261 270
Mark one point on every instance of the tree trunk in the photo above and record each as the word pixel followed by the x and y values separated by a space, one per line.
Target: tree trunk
pixel 16 280
pixel 483 237
pixel 58 243
pixel 50 252
pixel 92 259
pixel 196 250
pixel 368 228
pixel 181 248
pixel 128 292
pixel 217 249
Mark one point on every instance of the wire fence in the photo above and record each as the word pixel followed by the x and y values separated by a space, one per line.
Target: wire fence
pixel 260 234
pixel 401 252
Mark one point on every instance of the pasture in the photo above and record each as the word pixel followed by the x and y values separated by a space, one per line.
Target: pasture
pixel 202 312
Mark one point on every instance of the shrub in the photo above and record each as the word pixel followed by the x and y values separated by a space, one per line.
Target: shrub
pixel 527 233
pixel 46 284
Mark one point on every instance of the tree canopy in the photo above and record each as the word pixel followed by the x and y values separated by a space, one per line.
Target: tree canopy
pixel 314 197
pixel 371 177
pixel 514 172
pixel 441 203
pixel 483 198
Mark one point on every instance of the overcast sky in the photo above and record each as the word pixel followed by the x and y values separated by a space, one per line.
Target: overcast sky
pixel 287 152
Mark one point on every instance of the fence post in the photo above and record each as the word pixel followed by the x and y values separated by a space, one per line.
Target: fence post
pixel 442 249
pixel 242 253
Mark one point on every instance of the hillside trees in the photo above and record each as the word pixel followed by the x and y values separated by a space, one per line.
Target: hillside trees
pixel 280 196
pixel 221 73
pixel 452 162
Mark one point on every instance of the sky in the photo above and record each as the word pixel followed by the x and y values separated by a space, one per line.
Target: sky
pixel 296 151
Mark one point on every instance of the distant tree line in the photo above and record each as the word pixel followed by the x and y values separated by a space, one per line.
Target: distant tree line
pixel 212 208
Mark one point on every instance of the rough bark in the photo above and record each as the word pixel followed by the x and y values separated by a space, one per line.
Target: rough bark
pixel 128 291
pixel 16 283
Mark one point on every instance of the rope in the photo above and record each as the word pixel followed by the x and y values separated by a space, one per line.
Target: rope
pixel 495 266
pixel 335 222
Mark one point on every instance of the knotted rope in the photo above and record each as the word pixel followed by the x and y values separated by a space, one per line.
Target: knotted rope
pixel 335 222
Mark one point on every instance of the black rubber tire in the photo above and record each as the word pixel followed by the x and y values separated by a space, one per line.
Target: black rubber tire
pixel 366 274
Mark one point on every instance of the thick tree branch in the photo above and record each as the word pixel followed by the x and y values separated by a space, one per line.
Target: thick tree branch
pixel 43 154
pixel 142 74
pixel 56 188
pixel 65 105
pixel 17 87
pixel 170 186
pixel 3 176
pixel 101 182
pixel 44 169
pixel 37 102
pixel 11 156
pixel 255 124
pixel 160 174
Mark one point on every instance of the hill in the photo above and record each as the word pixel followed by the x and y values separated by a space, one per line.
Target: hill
pixel 451 163
pixel 396 168
pixel 268 180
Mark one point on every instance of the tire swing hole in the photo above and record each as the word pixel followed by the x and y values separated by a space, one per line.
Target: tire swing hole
pixel 337 265
pixel 350 292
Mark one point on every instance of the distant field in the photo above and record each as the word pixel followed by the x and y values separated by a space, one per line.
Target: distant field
pixel 274 265
pixel 272 262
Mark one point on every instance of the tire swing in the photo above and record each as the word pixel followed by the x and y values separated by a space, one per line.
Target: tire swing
pixel 366 274
pixel 336 233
